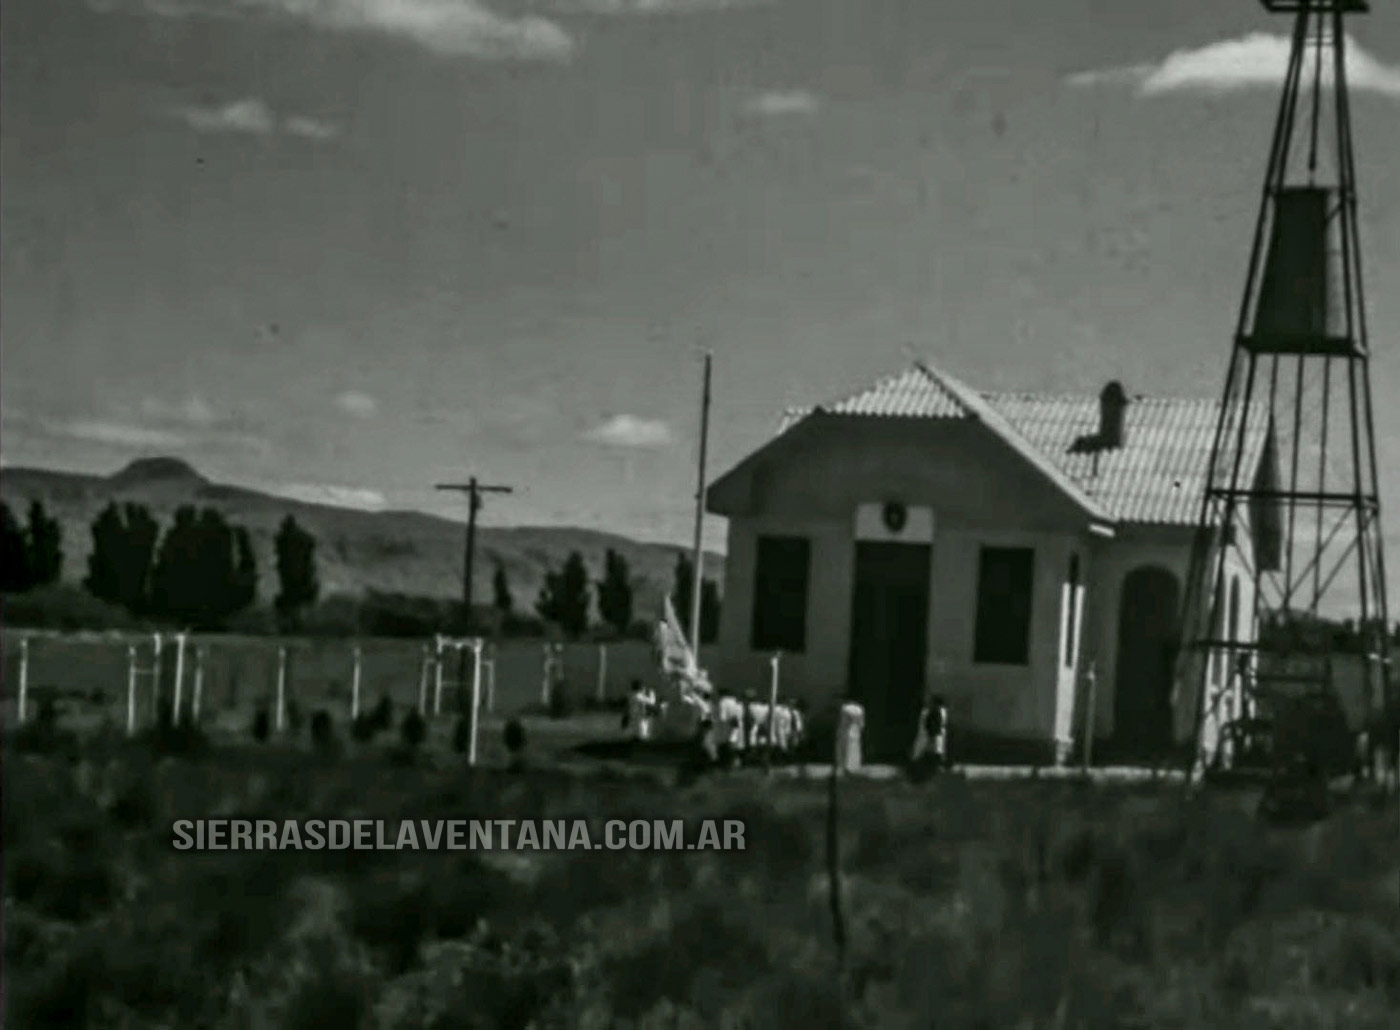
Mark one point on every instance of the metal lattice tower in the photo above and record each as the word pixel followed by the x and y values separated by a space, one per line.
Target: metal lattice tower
pixel 1292 505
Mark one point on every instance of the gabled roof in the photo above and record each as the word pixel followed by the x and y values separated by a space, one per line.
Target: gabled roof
pixel 1156 477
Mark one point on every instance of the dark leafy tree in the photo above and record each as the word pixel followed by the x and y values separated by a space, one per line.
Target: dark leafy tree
pixel 298 585
pixel 615 592
pixel 501 598
pixel 14 553
pixel 45 544
pixel 564 598
pixel 200 577
pixel 245 571
pixel 123 553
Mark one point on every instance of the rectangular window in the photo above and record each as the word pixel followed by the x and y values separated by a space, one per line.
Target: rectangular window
pixel 781 570
pixel 1005 580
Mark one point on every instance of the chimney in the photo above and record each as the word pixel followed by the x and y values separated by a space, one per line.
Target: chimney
pixel 1112 403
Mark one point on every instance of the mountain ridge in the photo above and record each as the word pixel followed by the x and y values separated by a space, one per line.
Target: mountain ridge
pixel 394 551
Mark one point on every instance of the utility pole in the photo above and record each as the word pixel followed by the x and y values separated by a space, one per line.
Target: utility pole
pixel 473 490
pixel 697 563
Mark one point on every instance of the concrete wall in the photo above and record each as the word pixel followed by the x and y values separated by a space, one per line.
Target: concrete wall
pixel 977 488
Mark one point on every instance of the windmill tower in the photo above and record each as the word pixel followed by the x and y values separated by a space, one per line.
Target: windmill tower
pixel 1299 524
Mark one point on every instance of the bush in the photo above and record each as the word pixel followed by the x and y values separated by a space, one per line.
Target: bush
pixel 63 606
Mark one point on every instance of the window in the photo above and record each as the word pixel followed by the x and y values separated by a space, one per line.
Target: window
pixel 1072 611
pixel 781 570
pixel 1006 577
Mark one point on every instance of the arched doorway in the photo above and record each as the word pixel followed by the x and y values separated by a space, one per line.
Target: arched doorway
pixel 1148 612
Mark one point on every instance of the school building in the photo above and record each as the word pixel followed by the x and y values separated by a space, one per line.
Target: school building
pixel 920 534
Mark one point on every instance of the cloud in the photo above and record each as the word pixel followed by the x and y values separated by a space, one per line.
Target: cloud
pixel 630 431
pixel 361 405
pixel 780 103
pixel 116 434
pixel 253 117
pixel 456 28
pixel 328 493
pixel 193 410
pixel 1255 60
pixel 642 7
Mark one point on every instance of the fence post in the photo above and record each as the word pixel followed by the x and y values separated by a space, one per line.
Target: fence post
pixel 546 676
pixel 130 689
pixel 1092 677
pixel 159 644
pixel 179 675
pixel 355 686
pixel 602 673
pixel 23 678
pixel 474 715
pixel 423 681
pixel 441 647
pixel 490 665
pixel 281 712
pixel 773 664
pixel 197 695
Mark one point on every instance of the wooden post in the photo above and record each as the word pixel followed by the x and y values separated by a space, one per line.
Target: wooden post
pixel 355 686
pixel 280 714
pixel 159 644
pixel 130 689
pixel 490 664
pixel 1089 720
pixel 179 675
pixel 23 678
pixel 197 694
pixel 423 682
pixel 440 646
pixel 772 704
pixel 602 673
pixel 474 715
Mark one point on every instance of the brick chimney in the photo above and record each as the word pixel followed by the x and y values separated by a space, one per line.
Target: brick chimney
pixel 1113 402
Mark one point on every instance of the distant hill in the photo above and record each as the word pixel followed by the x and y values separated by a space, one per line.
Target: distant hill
pixel 399 551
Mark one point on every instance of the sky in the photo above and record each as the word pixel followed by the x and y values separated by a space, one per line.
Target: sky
pixel 346 249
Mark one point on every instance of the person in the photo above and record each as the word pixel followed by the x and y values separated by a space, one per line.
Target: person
pixel 729 726
pixel 936 726
pixel 849 730
pixel 641 705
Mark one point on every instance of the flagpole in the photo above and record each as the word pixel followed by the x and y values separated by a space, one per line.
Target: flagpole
pixel 697 563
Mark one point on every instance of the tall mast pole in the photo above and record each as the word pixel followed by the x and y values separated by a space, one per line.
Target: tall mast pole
pixel 697 562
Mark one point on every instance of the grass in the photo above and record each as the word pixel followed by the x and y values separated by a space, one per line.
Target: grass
pixel 969 904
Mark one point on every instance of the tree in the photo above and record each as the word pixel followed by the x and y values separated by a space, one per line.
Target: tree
pixel 501 598
pixel 45 545
pixel 296 570
pixel 123 551
pixel 615 592
pixel 14 553
pixel 203 573
pixel 564 598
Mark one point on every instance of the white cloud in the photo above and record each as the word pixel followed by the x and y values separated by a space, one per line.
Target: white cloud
pixel 362 405
pixel 117 434
pixel 254 117
pixel 1259 59
pixel 652 6
pixel 249 116
pixel 463 28
pixel 192 410
pixel 778 103
pixel 328 493
pixel 630 431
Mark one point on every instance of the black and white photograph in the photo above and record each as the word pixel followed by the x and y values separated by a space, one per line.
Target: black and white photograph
pixel 670 514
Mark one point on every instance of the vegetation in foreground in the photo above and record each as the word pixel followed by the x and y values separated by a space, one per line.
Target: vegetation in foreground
pixel 967 905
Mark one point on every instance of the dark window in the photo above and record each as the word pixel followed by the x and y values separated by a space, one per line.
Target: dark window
pixel 1072 614
pixel 1005 580
pixel 781 570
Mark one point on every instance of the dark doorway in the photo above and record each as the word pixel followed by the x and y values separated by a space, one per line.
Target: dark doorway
pixel 1147 645
pixel 889 643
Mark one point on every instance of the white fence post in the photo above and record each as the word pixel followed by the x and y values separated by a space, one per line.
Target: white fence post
pixel 130 689
pixel 1091 702
pixel 476 701
pixel 355 686
pixel 423 682
pixel 281 713
pixel 439 650
pixel 23 678
pixel 197 695
pixel 773 703
pixel 179 675
pixel 158 643
pixel 547 675
pixel 602 673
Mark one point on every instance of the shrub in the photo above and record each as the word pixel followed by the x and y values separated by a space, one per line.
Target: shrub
pixel 63 606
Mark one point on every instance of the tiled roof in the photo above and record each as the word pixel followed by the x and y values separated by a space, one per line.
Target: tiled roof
pixel 1157 476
